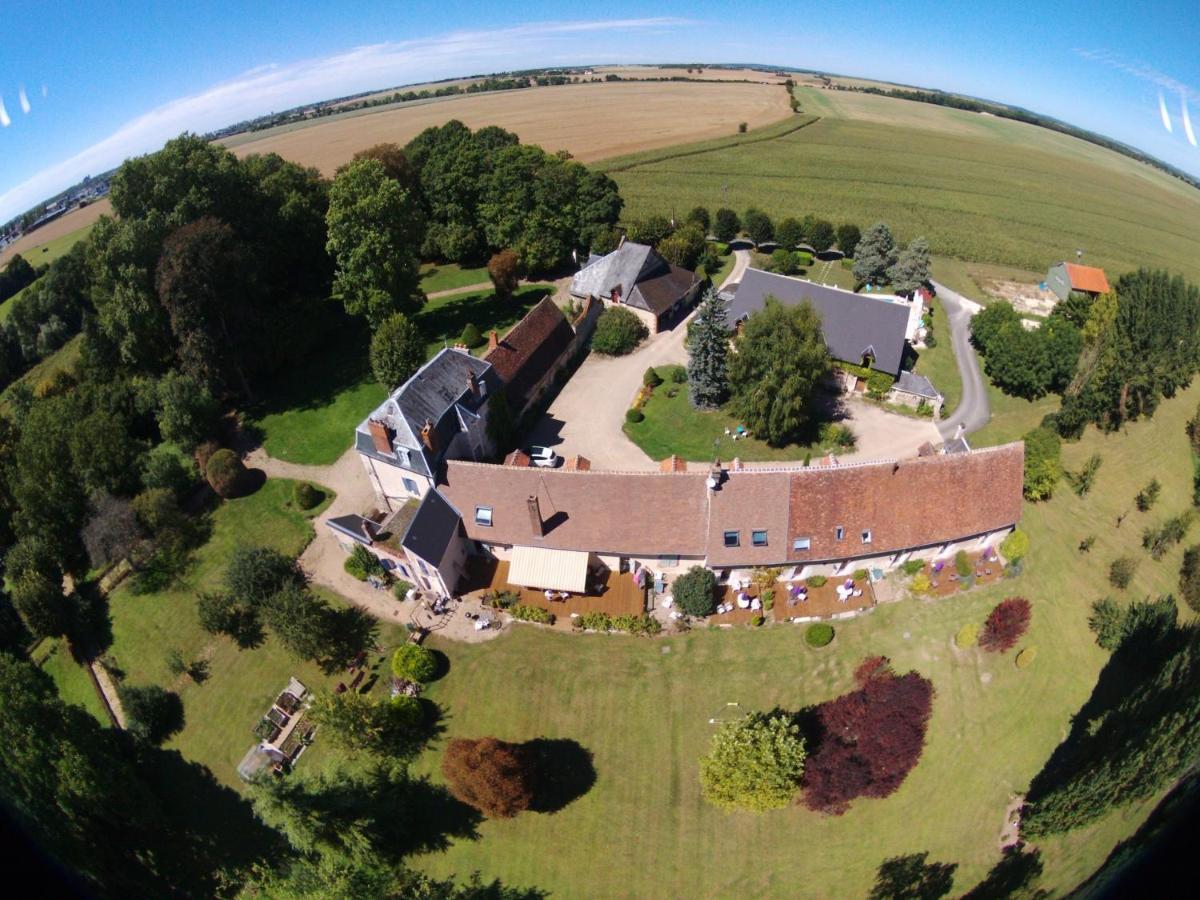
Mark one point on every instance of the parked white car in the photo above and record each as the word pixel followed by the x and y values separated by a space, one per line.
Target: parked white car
pixel 544 457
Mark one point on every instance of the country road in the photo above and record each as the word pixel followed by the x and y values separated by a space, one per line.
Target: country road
pixel 973 411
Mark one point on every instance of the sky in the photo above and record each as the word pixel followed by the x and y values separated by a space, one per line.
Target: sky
pixel 84 85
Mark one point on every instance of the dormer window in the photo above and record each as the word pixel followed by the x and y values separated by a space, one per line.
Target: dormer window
pixel 733 538
pixel 866 536
pixel 759 538
pixel 840 532
pixel 483 516
pixel 802 544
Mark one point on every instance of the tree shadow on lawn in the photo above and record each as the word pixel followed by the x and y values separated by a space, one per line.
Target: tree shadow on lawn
pixel 444 320
pixel 910 876
pixel 564 772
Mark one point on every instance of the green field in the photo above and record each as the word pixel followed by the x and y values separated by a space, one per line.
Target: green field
pixel 437 277
pixel 221 712
pixel 940 365
pixel 642 708
pixel 73 683
pixel 978 187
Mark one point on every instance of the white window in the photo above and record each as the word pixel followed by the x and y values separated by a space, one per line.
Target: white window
pixel 802 544
pixel 483 516
pixel 841 532
pixel 410 486
pixel 866 536
pixel 668 562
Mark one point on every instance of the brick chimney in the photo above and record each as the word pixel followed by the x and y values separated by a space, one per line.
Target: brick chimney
pixel 379 434
pixel 535 517
pixel 429 437
pixel 493 340
pixel 736 465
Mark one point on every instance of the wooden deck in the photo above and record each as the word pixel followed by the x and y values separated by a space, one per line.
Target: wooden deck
pixel 617 595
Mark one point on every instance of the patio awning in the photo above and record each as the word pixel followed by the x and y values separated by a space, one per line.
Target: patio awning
pixel 555 570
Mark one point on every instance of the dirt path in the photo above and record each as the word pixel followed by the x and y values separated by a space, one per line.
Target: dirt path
pixel 109 690
pixel 465 289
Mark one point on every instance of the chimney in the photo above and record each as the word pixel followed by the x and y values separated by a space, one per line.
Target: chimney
pixel 473 383
pixel 535 517
pixel 736 465
pixel 366 530
pixel 493 340
pixel 379 434
pixel 429 437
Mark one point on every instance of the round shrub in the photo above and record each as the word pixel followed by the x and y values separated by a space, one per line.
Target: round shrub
pixel 815 581
pixel 922 583
pixel 633 416
pixel 1015 546
pixel 695 591
pixel 818 634
pixel 962 564
pixel 225 473
pixel 968 636
pixel 413 662
pixel 1026 657
pixel 471 336
pixel 405 712
pixel 618 332
pixel 679 375
pixel 305 495
pixel 651 379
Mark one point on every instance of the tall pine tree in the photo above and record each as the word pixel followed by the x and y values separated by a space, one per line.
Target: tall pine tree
pixel 875 255
pixel 708 350
pixel 912 267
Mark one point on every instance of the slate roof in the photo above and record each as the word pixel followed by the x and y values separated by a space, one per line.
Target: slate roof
pixel 529 351
pixel 352 527
pixel 852 323
pixel 1087 278
pixel 659 293
pixel 434 393
pixel 907 504
pixel 432 528
pixel 918 385
pixel 623 268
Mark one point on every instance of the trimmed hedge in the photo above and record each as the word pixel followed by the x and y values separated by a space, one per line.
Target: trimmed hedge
pixel 531 614
pixel 818 634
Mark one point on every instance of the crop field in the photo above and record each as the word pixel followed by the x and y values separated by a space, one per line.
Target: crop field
pixel 58 237
pixel 642 707
pixel 978 187
pixel 591 121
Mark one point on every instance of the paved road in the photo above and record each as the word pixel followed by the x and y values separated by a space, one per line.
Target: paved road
pixel 973 411
pixel 587 416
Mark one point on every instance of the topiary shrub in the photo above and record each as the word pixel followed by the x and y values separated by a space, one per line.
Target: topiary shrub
pixel 695 591
pixel 861 575
pixel 412 662
pixel 651 378
pixel 618 332
pixel 226 473
pixel 1026 657
pixel 962 564
pixel 968 636
pixel 471 336
pixel 1015 546
pixel 633 416
pixel 305 495
pixel 819 634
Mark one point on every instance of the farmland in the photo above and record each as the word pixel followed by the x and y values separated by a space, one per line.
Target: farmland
pixel 57 237
pixel 978 187
pixel 993 725
pixel 591 121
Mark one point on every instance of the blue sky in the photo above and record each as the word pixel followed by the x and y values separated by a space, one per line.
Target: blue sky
pixel 105 80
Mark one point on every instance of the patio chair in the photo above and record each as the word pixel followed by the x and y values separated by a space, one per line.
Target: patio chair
pixel 858 593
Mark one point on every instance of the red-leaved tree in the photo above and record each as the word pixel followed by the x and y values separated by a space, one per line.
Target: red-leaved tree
pixel 1005 624
pixel 867 741
pixel 491 775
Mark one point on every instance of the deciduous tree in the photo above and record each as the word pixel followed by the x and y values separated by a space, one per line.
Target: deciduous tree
pixel 397 351
pixel 758 226
pixel 1005 624
pixel 695 591
pixel 755 763
pixel 727 225
pixel 491 775
pixel 504 268
pixel 848 237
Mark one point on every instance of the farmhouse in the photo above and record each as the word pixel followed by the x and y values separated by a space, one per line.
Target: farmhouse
pixel 529 356
pixel 636 277
pixel 864 329
pixel 911 389
pixel 1065 277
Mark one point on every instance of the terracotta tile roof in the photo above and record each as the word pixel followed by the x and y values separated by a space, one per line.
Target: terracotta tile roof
pixel 907 504
pixel 606 512
pixel 527 353
pixel 1087 278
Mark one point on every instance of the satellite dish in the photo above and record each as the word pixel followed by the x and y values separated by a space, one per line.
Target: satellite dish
pixel 711 482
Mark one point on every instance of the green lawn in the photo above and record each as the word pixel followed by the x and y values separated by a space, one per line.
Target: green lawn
pixel 978 187
pixel 967 278
pixel 73 683
pixel 939 364
pixel 1012 417
pixel 221 712
pixel 642 707
pixel 673 426
pixel 309 414
pixel 437 277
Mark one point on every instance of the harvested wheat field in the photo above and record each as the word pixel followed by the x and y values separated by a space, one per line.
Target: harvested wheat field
pixel 71 222
pixel 592 121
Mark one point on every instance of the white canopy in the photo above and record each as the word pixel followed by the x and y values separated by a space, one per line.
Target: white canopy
pixel 556 570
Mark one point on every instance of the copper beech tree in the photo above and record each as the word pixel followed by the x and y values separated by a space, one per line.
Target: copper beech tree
pixel 1005 624
pixel 494 776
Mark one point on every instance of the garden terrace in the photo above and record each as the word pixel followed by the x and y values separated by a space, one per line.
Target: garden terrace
pixel 614 593
pixel 947 581
pixel 821 602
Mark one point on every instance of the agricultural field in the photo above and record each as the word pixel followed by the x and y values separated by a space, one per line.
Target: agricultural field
pixel 51 241
pixel 993 725
pixel 978 187
pixel 591 121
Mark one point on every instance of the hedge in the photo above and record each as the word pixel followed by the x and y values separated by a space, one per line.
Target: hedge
pixel 818 634
pixel 531 614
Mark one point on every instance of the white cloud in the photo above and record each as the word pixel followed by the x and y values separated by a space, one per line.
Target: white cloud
pixel 272 87
pixel 1141 71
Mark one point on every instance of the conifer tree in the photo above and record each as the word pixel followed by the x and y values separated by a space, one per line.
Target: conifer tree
pixel 912 266
pixel 708 349
pixel 875 255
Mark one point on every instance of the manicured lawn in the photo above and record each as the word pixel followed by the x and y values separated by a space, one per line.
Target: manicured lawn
pixel 437 277
pixel 444 318
pixel 673 426
pixel 966 277
pixel 642 707
pixel 1012 417
pixel 221 712
pixel 939 364
pixel 73 683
